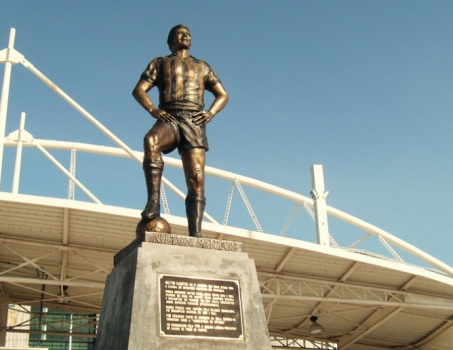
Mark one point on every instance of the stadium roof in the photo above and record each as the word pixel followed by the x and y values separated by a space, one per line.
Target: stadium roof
pixel 362 301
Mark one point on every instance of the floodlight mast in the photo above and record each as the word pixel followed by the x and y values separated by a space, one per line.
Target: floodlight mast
pixel 5 57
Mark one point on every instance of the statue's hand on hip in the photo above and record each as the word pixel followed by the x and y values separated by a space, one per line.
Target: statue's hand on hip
pixel 202 118
pixel 162 115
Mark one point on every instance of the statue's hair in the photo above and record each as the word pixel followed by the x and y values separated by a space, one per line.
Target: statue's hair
pixel 173 31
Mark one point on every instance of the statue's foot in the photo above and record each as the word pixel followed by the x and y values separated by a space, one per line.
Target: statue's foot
pixel 195 234
pixel 149 215
pixel 151 211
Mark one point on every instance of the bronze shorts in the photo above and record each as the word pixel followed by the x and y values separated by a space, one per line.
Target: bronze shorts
pixel 187 134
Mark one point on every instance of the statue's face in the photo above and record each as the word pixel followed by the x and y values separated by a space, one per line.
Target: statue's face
pixel 182 39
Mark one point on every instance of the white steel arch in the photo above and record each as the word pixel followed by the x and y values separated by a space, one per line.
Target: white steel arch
pixel 369 229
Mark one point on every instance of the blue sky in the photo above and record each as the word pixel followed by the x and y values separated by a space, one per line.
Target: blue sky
pixel 362 87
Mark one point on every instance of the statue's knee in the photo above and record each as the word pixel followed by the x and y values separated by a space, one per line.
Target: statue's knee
pixel 148 140
pixel 198 174
pixel 197 180
pixel 151 143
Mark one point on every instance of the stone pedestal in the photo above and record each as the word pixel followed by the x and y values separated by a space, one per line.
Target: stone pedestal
pixel 182 293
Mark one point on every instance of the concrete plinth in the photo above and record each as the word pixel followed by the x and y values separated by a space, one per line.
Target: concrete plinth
pixel 164 296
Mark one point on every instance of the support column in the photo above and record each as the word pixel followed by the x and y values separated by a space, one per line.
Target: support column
pixel 319 199
pixel 18 164
pixel 4 299
pixel 7 57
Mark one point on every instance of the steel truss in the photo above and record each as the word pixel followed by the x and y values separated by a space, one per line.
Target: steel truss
pixel 276 286
pixel 286 343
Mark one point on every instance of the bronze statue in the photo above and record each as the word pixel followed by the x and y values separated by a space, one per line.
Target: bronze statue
pixel 181 119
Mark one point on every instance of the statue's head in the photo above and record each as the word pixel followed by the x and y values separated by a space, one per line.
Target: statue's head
pixel 172 34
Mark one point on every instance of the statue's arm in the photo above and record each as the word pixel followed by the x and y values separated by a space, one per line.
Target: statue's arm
pixel 140 94
pixel 220 101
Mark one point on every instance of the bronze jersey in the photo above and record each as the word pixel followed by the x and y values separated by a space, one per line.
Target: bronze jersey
pixel 181 83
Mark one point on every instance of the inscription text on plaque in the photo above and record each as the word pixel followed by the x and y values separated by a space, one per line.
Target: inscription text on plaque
pixel 200 307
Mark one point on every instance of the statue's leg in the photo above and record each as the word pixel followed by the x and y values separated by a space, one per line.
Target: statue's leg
pixel 193 161
pixel 153 175
pixel 194 210
pixel 159 138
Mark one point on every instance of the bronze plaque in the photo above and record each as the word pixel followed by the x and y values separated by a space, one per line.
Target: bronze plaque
pixel 200 307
